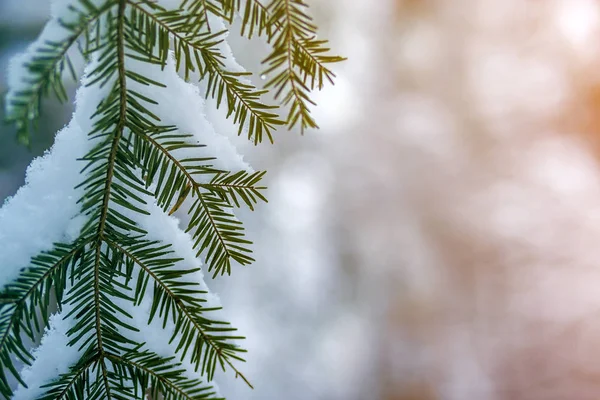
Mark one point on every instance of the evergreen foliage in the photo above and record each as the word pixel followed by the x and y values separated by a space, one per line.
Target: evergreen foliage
pixel 135 156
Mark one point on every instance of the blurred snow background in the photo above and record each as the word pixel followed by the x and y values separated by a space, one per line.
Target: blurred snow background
pixel 437 238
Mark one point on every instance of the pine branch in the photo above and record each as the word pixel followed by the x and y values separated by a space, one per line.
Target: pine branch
pixel 293 22
pixel 104 208
pixel 45 71
pixel 309 52
pixel 212 227
pixel 171 295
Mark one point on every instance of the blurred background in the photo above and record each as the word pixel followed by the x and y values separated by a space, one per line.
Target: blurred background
pixel 439 237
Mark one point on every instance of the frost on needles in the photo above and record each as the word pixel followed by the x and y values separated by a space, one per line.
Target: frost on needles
pixel 91 233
